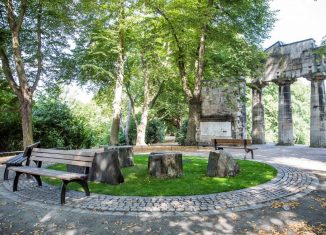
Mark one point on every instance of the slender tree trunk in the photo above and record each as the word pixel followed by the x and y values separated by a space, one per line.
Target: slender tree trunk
pixel 128 123
pixel 26 115
pixel 141 127
pixel 114 137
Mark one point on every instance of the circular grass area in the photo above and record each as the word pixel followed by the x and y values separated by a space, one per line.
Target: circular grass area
pixel 193 182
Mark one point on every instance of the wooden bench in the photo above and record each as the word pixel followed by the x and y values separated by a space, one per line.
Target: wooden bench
pixel 19 159
pixel 220 144
pixel 71 157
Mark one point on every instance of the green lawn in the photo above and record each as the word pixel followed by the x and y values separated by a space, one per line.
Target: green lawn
pixel 193 182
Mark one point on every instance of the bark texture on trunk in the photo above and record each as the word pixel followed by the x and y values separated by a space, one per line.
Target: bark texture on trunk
pixel 127 127
pixel 26 115
pixel 114 136
pixel 193 122
pixel 141 127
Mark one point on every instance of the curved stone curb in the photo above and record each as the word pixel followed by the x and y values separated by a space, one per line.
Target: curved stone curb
pixel 289 184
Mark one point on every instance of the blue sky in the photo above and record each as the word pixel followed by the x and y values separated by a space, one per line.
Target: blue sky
pixel 298 20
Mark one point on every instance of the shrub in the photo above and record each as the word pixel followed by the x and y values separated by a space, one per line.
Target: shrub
pixel 155 131
pixel 182 133
pixel 56 126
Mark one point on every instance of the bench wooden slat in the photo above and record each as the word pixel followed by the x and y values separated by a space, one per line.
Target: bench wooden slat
pixel 66 152
pixel 55 160
pixel 60 156
pixel 18 159
pixel 48 172
pixel 71 157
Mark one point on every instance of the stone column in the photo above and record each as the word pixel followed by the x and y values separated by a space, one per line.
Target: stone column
pixel 285 121
pixel 258 118
pixel 317 113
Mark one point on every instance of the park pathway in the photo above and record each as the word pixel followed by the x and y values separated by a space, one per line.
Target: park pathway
pixel 300 169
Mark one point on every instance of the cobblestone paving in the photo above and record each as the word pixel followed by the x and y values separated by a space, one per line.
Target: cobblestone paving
pixel 290 183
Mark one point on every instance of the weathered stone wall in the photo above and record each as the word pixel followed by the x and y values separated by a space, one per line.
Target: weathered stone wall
pixel 223 113
pixel 286 63
pixel 289 61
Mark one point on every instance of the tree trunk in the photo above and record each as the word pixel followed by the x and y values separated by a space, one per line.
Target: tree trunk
pixel 126 133
pixel 23 91
pixel 165 165
pixel 141 127
pixel 114 137
pixel 193 122
pixel 194 101
pixel 26 115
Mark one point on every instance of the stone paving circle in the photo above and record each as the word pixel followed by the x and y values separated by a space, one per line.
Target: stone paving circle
pixel 289 184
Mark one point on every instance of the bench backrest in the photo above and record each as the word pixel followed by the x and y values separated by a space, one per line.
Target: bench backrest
pixel 71 157
pixel 231 142
pixel 29 148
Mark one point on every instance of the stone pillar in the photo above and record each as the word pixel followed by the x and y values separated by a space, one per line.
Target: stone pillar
pixel 285 121
pixel 317 113
pixel 258 118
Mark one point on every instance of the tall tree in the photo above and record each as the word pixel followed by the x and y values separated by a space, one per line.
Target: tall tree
pixel 31 35
pixel 148 68
pixel 114 137
pixel 100 52
pixel 196 25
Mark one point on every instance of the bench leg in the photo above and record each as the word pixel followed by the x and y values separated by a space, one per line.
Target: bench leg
pixel 6 173
pixel 84 184
pixel 16 181
pixel 251 152
pixel 63 191
pixel 38 179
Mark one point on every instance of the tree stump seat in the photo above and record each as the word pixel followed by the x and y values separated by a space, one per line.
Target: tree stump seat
pixel 221 164
pixel 105 167
pixel 125 154
pixel 165 165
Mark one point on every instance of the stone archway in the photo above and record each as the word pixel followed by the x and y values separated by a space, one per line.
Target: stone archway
pixel 286 63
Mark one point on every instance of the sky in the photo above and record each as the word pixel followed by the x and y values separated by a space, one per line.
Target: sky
pixel 298 20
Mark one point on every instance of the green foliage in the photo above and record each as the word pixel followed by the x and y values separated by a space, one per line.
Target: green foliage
pixel 171 106
pixel 155 131
pixel 56 126
pixel 57 28
pixel 10 121
pixel 182 132
pixel 270 102
pixel 193 182
pixel 301 112
pixel 94 119
pixel 300 97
